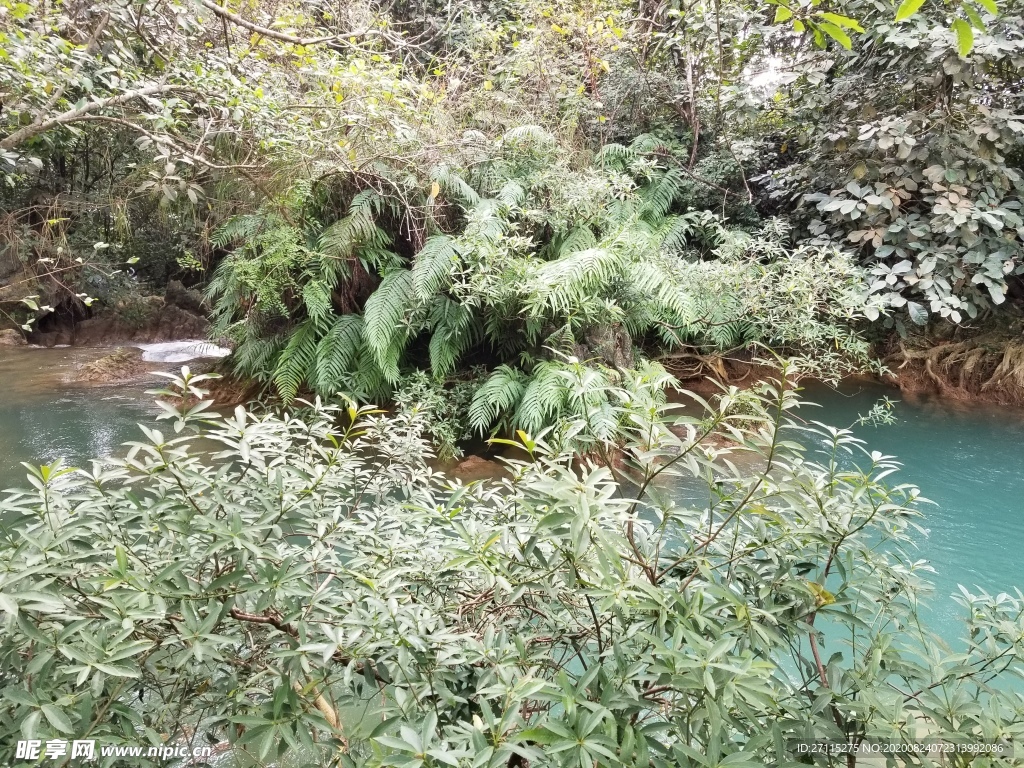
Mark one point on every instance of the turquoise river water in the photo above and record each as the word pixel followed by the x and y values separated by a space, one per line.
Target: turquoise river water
pixel 966 459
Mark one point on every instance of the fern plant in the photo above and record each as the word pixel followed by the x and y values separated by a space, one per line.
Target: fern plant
pixel 519 260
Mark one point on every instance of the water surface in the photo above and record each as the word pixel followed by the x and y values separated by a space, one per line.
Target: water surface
pixel 968 460
pixel 965 458
pixel 45 416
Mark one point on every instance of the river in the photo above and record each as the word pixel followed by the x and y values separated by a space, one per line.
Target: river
pixel 45 414
pixel 966 459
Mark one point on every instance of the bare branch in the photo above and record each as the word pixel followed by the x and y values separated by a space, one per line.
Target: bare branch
pixel 79 113
pixel 190 153
pixel 283 37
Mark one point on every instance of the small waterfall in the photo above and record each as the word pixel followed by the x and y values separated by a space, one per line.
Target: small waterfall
pixel 181 351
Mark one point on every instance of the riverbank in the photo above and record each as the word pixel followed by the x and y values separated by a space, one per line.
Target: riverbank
pixel 956 363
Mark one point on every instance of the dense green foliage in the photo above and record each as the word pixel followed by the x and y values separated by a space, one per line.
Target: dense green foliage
pixel 317 591
pixel 509 218
pixel 483 193
pixel 915 155
pixel 536 259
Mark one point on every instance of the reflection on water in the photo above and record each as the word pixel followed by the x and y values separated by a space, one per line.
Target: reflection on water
pixel 44 415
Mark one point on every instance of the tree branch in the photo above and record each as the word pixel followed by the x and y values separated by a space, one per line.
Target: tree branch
pixel 283 37
pixel 93 39
pixel 191 153
pixel 72 115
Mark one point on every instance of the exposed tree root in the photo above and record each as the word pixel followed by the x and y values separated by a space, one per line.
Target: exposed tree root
pixel 731 368
pixel 988 367
pixel 691 365
pixel 984 368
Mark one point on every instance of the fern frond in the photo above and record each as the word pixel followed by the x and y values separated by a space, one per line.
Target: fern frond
pixel 496 397
pixel 659 195
pixel 622 212
pixel 316 297
pixel 486 220
pixel 615 156
pixel 337 353
pixel 433 264
pixel 296 362
pixel 511 195
pixel 544 397
pixel 240 228
pixel 380 259
pixel 357 228
pixel 579 239
pixel 677 232
pixel 367 382
pixel 260 273
pixel 656 280
pixel 562 340
pixel 647 143
pixel 384 330
pixel 564 283
pixel 254 357
pixel 451 327
pixel 455 186
pixel 533 134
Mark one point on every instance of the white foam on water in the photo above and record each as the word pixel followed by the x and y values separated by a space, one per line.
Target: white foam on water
pixel 181 351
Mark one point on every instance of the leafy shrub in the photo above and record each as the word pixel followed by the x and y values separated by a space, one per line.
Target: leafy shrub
pixel 513 260
pixel 315 589
pixel 443 411
pixel 909 150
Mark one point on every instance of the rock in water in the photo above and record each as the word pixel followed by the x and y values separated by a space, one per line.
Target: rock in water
pixel 11 338
pixel 149 319
pixel 477 468
pixel 121 364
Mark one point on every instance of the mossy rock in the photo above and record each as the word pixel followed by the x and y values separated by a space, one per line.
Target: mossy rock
pixel 121 364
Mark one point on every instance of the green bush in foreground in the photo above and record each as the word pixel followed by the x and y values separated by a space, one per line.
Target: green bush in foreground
pixel 318 591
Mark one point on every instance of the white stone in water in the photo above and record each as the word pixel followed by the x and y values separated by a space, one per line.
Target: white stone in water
pixel 181 351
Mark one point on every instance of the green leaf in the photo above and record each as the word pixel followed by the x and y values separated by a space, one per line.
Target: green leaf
pixel 782 13
pixel 964 36
pixel 19 696
pixel 908 8
pixel 918 313
pixel 842 21
pixel 836 34
pixel 974 18
pixel 8 604
pixel 57 719
pixel 116 671
pixel 989 5
pixel 392 742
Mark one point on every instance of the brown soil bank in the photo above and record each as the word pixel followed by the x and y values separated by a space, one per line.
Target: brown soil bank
pixel 963 364
pixel 983 365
